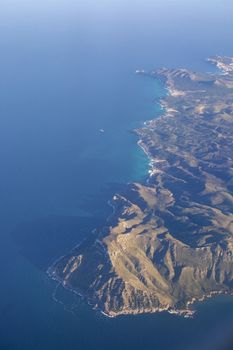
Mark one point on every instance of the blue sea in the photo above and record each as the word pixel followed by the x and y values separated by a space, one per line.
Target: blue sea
pixel 69 100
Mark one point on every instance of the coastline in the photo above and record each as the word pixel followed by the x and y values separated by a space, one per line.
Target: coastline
pixel 151 170
pixel 187 311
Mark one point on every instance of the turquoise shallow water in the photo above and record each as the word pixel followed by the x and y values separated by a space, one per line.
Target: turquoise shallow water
pixel 67 71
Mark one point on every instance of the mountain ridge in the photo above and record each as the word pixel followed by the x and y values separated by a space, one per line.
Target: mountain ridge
pixel 169 241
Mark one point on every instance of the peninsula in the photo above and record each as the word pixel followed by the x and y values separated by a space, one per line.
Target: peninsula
pixel 169 242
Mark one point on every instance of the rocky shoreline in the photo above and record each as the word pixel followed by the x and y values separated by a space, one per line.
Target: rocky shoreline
pixel 169 242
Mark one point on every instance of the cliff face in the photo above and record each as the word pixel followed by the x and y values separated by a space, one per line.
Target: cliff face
pixel 169 241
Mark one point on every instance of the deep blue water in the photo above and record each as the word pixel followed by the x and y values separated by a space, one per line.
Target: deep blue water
pixel 67 71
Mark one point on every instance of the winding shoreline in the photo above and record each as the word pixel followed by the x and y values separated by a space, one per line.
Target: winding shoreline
pixel 157 196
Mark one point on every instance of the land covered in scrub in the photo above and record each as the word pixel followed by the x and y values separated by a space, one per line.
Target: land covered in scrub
pixel 169 242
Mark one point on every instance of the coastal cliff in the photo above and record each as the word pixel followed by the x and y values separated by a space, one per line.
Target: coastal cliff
pixel 169 242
